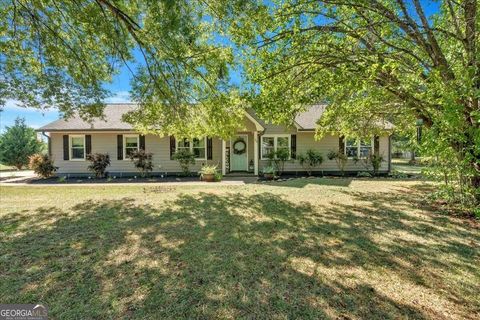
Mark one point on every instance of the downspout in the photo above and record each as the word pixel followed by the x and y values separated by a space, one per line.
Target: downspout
pixel 48 143
pixel 389 153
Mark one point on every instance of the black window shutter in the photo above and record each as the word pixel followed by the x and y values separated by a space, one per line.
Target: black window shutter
pixel 172 147
pixel 293 146
pixel 142 142
pixel 88 144
pixel 66 152
pixel 209 149
pixel 341 144
pixel 376 145
pixel 120 147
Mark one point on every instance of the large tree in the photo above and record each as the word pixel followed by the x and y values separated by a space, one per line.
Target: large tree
pixel 370 60
pixel 18 143
pixel 62 53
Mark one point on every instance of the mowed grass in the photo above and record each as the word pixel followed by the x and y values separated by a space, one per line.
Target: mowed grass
pixel 310 249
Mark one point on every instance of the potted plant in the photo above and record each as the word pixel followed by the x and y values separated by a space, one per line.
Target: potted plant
pixel 208 172
pixel 269 172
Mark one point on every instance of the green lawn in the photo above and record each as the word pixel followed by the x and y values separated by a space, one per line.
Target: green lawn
pixel 310 249
pixel 402 165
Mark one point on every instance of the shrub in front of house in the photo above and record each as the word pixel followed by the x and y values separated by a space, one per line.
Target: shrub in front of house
pixel 375 161
pixel 142 161
pixel 185 158
pixel 364 174
pixel 42 165
pixel 340 159
pixel 98 164
pixel 269 172
pixel 310 160
pixel 278 159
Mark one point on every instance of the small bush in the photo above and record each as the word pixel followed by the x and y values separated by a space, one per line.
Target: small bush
pixel 278 159
pixel 376 161
pixel 398 175
pixel 218 176
pixel 269 170
pixel 340 158
pixel 310 160
pixel 185 158
pixel 364 174
pixel 42 165
pixel 281 156
pixel 142 161
pixel 99 163
pixel 62 179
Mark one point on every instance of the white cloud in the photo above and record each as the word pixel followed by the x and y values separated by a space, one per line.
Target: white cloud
pixel 119 97
pixel 15 105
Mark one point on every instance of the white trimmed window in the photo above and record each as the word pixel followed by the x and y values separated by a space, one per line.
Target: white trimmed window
pixel 273 143
pixel 356 148
pixel 77 147
pixel 131 144
pixel 197 146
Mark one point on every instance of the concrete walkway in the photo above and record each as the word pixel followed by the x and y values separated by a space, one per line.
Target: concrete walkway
pixel 16 176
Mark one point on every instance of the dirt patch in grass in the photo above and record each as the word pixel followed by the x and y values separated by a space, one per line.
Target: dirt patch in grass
pixel 356 249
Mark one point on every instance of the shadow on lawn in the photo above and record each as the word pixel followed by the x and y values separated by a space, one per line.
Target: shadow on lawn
pixel 301 182
pixel 207 255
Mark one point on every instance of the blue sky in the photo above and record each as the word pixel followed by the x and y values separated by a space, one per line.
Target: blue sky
pixel 119 89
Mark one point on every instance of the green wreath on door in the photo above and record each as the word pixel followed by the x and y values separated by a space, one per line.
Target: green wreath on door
pixel 239 147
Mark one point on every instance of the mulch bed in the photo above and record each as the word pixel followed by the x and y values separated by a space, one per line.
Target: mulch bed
pixel 86 180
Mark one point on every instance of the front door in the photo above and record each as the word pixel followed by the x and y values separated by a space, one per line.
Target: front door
pixel 239 153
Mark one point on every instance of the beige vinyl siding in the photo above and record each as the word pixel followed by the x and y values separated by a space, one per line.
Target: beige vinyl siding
pixel 306 140
pixel 106 142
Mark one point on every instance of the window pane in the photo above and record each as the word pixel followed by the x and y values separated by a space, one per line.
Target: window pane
pixel 78 153
pixel 268 142
pixel 199 143
pixel 365 151
pixel 183 143
pixel 129 151
pixel 131 142
pixel 77 142
pixel 282 142
pixel 366 143
pixel 351 151
pixel 267 151
pixel 351 142
pixel 199 152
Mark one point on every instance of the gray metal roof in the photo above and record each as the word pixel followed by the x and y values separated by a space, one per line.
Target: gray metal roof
pixel 113 120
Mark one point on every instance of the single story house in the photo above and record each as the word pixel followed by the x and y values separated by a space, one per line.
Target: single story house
pixel 70 140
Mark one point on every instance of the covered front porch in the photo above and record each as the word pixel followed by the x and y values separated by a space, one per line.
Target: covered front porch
pixel 240 153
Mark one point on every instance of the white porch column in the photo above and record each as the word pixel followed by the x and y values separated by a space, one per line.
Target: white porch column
pixel 255 153
pixel 224 151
